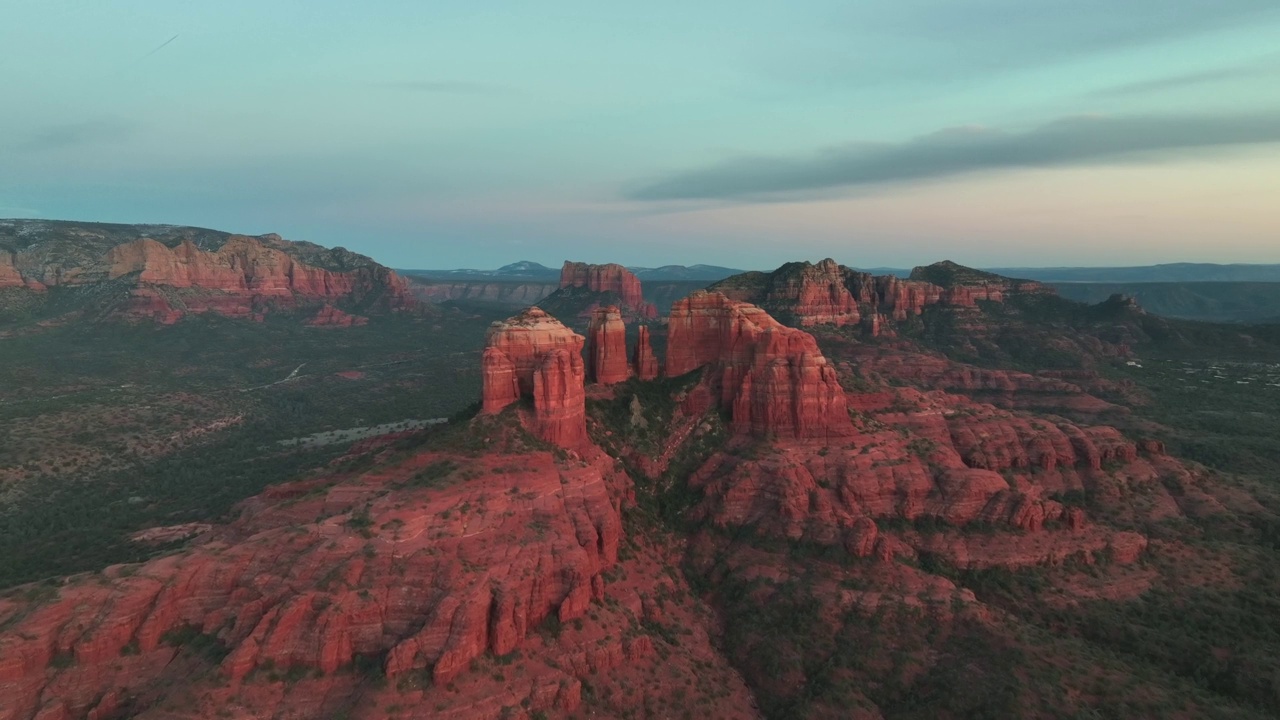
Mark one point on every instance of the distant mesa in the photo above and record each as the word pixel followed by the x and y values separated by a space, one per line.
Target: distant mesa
pixel 166 272
pixel 610 279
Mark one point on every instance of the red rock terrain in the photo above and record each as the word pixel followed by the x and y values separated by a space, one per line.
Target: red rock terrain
pixel 773 377
pixel 477 588
pixel 533 355
pixel 827 503
pixel 643 361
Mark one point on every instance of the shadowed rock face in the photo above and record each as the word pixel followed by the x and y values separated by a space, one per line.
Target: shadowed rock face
pixel 773 377
pixel 533 355
pixel 643 361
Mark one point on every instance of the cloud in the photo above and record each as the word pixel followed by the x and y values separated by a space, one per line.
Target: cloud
pixel 1267 66
pixel 956 151
pixel 92 132
pixel 448 87
pixel 997 31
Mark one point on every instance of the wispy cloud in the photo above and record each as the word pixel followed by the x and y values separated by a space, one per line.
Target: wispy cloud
pixel 448 87
pixel 91 132
pixel 955 151
pixel 1263 67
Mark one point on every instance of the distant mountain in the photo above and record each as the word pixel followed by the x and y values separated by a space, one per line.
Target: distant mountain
pixel 683 273
pixel 523 270
pixel 528 270
pixel 1240 302
pixel 1172 272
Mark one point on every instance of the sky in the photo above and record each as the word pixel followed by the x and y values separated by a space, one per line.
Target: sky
pixel 472 134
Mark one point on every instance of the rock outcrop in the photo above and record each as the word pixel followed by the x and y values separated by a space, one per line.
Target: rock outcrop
pixel 607 347
pixel 533 355
pixel 772 377
pixel 643 362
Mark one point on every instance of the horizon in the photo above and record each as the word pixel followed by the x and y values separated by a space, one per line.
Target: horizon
pixel 1069 134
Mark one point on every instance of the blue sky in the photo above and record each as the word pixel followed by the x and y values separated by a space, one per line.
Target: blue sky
pixel 442 134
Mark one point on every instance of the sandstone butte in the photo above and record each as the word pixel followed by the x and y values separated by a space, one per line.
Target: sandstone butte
pixel 610 278
pixel 772 377
pixel 242 278
pixel 533 355
pixel 607 347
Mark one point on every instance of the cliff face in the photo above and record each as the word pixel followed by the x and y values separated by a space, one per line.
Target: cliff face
pixel 585 287
pixel 612 278
pixel 533 355
pixel 195 271
pixel 773 377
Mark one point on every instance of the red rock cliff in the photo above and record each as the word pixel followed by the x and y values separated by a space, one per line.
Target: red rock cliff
pixel 607 347
pixel 603 278
pixel 533 354
pixel 773 377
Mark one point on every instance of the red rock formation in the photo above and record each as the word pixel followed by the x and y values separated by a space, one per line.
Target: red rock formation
pixel 9 275
pixel 772 377
pixel 533 354
pixel 612 278
pixel 819 295
pixel 244 277
pixel 330 316
pixel 831 294
pixel 607 347
pixel 644 363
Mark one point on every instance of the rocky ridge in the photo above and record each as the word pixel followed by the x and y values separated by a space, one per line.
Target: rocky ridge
pixel 182 271
pixel 827 293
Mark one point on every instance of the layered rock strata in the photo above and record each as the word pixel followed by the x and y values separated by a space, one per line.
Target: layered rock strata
pixel 533 355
